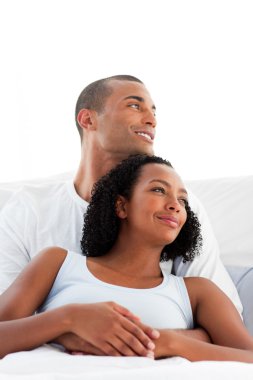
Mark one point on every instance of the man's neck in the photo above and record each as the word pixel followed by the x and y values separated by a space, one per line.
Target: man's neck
pixel 91 169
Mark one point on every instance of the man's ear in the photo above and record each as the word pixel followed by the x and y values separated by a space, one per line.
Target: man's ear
pixel 87 119
pixel 120 207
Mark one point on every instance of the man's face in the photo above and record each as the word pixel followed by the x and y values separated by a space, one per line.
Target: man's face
pixel 127 123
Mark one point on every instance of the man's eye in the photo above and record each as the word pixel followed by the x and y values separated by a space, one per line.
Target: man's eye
pixel 158 190
pixel 134 105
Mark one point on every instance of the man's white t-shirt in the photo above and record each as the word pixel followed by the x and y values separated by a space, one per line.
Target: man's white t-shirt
pixel 37 217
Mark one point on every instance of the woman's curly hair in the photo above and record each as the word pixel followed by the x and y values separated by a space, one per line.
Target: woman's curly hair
pixel 101 223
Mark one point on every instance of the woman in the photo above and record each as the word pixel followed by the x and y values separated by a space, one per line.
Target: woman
pixel 138 216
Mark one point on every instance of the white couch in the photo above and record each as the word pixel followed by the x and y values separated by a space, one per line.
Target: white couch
pixel 229 204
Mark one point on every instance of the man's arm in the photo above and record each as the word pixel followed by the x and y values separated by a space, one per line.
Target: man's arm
pixel 208 264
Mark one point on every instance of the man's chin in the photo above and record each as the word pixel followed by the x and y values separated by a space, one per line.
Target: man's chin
pixel 143 150
pixel 134 150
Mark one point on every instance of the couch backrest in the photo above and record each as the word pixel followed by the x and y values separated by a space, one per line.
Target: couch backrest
pixel 228 202
pixel 229 205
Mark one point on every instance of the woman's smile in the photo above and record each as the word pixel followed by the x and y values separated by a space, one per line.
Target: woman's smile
pixel 169 220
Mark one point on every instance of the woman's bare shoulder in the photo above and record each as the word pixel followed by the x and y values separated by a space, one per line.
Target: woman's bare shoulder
pixel 199 288
pixel 198 281
pixel 52 253
pixel 46 263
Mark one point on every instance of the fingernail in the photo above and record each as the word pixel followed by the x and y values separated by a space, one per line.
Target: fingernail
pixel 155 334
pixel 150 355
pixel 151 345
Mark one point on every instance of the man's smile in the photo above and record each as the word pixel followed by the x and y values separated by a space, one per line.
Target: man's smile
pixel 148 136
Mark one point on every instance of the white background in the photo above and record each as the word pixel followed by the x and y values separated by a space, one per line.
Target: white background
pixel 195 57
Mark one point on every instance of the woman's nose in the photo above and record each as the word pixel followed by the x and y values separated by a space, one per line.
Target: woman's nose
pixel 173 205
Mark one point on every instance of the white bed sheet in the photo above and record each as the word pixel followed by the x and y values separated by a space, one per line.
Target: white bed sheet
pixel 47 363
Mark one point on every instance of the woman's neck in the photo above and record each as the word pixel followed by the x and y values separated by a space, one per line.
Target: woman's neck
pixel 133 259
pixel 130 263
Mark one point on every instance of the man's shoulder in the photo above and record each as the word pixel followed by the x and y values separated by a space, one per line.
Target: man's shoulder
pixel 33 194
pixel 43 191
pixel 23 190
pixel 194 201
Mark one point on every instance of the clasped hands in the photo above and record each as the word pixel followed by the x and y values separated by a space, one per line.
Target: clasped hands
pixel 106 328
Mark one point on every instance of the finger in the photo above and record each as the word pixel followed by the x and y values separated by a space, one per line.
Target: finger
pixel 122 347
pixel 128 345
pixel 125 312
pixel 75 345
pixel 90 349
pixel 109 349
pixel 136 329
pixel 150 331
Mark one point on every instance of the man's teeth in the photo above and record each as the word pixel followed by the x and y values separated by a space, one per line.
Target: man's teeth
pixel 144 134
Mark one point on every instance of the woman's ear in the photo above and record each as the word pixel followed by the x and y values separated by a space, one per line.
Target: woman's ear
pixel 121 207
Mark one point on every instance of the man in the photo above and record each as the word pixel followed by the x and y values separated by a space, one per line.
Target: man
pixel 115 118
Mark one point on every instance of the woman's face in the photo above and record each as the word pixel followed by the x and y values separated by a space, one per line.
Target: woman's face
pixel 156 210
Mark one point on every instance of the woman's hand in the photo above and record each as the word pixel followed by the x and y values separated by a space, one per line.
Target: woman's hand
pixel 164 345
pixel 73 344
pixel 109 329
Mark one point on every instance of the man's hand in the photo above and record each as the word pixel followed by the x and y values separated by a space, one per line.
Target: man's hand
pixel 107 328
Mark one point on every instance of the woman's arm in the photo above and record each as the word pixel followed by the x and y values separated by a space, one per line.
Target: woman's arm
pixel 30 332
pixel 111 331
pixel 19 328
pixel 214 312
pixel 197 333
pixel 32 286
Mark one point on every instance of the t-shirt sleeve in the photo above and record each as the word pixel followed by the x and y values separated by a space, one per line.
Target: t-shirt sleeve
pixel 14 256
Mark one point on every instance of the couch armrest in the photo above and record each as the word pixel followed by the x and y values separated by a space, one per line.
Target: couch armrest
pixel 243 280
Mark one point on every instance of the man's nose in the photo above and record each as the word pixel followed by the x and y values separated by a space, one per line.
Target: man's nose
pixel 149 118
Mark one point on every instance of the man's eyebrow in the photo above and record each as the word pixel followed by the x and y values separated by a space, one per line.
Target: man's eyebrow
pixel 139 98
pixel 182 189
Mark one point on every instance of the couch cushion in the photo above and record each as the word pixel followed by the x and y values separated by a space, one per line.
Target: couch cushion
pixel 243 279
pixel 229 205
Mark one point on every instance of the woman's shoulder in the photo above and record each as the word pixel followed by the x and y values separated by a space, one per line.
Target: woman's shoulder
pixel 53 253
pixel 199 288
pixel 199 284
pixel 51 257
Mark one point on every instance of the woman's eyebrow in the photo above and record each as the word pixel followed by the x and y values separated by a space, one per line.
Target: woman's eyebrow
pixel 139 98
pixel 182 189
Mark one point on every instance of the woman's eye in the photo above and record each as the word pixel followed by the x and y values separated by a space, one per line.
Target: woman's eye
pixel 159 190
pixel 183 201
